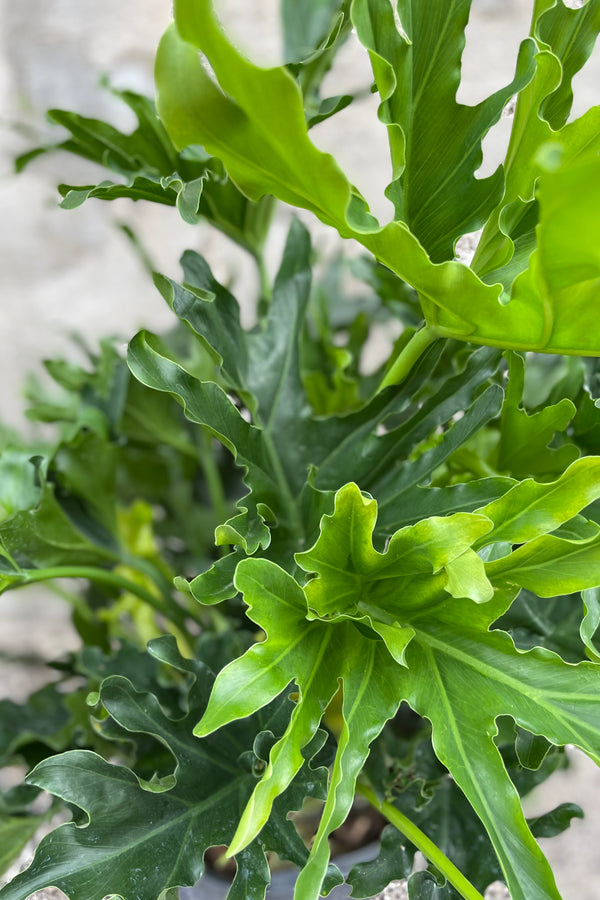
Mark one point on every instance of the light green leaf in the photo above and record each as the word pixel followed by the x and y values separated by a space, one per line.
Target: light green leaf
pixel 549 566
pixel 530 508
pixel 315 655
pixel 565 269
pixel 257 128
pixel 467 577
pixel 591 620
pixel 254 121
pixel 216 584
pixel 351 571
pixel 565 38
pixel 445 645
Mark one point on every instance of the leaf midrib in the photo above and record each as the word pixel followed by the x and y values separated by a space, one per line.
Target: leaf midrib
pixel 450 720
pixel 488 671
pixel 191 810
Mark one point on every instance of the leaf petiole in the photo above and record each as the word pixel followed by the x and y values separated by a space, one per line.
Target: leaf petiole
pixel 213 478
pixel 422 843
pixel 408 356
pixel 105 576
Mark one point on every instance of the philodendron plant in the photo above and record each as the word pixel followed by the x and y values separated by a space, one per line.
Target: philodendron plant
pixel 400 602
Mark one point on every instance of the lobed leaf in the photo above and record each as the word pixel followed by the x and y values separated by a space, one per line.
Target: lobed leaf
pixel 435 142
pixel 418 638
pixel 254 121
pixel 145 838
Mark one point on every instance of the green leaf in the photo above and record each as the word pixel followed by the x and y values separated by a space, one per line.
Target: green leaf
pixel 555 822
pixel 148 147
pixel 523 448
pixel 571 34
pixel 45 718
pixel 207 404
pixel 549 565
pixel 394 861
pixel 265 147
pixel 190 180
pixel 314 655
pixel 591 620
pixel 254 121
pixel 404 485
pixel 45 536
pixel 565 38
pixel 448 645
pixel 565 269
pixel 288 440
pixel 279 461
pixel 552 623
pixel 378 462
pixel 15 833
pixel 530 508
pixel 435 142
pixel 132 845
pixel 423 502
pixel 328 108
pixel 305 24
pixel 274 393
pixel 140 188
pixel 531 749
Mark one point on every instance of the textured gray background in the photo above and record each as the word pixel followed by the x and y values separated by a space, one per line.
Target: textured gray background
pixel 63 272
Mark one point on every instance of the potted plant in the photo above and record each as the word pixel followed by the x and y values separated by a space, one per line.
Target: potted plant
pixel 402 593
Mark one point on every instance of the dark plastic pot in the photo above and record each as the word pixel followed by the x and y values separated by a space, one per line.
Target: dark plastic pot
pixel 282 884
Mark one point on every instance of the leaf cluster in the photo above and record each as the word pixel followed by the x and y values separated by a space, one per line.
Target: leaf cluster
pixel 382 585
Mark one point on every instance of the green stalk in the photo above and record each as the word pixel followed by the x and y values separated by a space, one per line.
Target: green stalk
pixel 422 843
pixel 408 356
pixel 266 289
pixel 213 477
pixel 105 576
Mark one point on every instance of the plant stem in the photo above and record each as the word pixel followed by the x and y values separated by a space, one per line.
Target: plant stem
pixel 266 289
pixel 408 356
pixel 106 576
pixel 422 843
pixel 213 477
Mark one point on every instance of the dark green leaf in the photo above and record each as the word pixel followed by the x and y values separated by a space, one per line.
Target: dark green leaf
pixel 15 833
pixel 435 142
pixel 133 842
pixel 523 449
